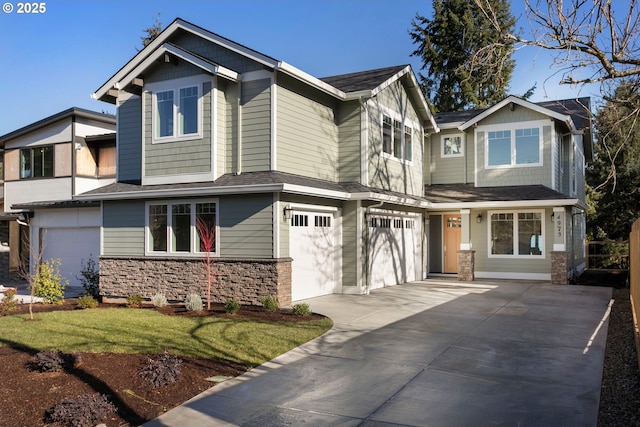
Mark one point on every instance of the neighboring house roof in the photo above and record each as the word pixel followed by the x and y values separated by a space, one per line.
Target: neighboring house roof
pixel 467 195
pixel 71 112
pixel 252 182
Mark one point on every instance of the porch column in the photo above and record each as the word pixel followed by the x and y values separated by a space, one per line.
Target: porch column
pixel 559 255
pixel 466 255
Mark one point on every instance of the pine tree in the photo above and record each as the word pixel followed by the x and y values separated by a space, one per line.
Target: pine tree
pixel 152 32
pixel 459 75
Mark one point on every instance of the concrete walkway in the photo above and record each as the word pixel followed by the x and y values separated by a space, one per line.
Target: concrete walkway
pixel 429 353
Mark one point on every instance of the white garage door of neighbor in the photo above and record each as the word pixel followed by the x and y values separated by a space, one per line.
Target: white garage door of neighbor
pixel 394 250
pixel 312 247
pixel 72 245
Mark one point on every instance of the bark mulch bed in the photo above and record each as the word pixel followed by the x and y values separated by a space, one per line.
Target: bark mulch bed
pixel 26 395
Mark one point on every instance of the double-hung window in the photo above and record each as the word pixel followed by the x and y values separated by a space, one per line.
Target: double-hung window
pixel 36 162
pixel 397 139
pixel 181 227
pixel 177 110
pixel 521 146
pixel 516 234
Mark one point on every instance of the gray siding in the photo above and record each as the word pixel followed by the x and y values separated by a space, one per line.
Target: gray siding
pixel 123 228
pixel 349 133
pixel 256 125
pixel 307 136
pixel 180 157
pixel 227 116
pixel 129 164
pixel 246 225
pixel 506 116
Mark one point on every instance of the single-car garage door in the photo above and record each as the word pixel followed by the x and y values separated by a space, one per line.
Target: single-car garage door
pixel 72 245
pixel 394 249
pixel 313 249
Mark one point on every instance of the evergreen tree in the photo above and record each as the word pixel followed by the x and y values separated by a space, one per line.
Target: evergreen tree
pixel 460 73
pixel 613 177
pixel 152 32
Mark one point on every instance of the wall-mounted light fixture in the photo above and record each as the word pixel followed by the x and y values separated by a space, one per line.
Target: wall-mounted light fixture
pixel 553 214
pixel 479 218
pixel 286 213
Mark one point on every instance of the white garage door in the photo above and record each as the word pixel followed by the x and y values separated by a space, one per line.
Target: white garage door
pixel 394 250
pixel 312 247
pixel 72 245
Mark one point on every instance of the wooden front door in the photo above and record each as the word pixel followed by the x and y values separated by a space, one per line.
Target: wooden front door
pixel 452 236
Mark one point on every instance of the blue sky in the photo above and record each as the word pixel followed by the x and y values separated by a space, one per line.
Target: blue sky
pixel 55 60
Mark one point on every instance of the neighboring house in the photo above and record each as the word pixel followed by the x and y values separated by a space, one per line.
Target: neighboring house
pixel 46 164
pixel 507 188
pixel 313 186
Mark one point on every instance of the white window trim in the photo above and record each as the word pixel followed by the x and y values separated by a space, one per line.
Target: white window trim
pixel 415 136
pixel 512 127
pixel 443 137
pixel 515 213
pixel 192 250
pixel 175 86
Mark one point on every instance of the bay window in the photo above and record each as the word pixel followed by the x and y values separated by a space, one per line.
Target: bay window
pixel 173 227
pixel 517 234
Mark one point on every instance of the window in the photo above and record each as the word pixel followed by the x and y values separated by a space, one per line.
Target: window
pixel 513 147
pixel 177 111
pixel 518 234
pixel 451 146
pixel 36 162
pixel 172 227
pixel 397 140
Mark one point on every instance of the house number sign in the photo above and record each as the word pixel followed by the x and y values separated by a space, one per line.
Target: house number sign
pixel 558 224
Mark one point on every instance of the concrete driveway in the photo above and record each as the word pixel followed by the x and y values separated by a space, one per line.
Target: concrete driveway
pixel 429 353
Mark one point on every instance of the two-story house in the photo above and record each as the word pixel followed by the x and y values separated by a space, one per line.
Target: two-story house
pixel 507 190
pixel 312 186
pixel 46 164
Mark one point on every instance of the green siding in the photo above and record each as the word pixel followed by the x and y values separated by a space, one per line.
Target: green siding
pixel 447 170
pixel 256 125
pixel 506 116
pixel 227 116
pixel 129 164
pixel 123 228
pixel 349 132
pixel 246 225
pixel 307 136
pixel 350 239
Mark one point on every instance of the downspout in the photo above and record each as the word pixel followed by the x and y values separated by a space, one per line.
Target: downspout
pixel 239 158
pixel 367 285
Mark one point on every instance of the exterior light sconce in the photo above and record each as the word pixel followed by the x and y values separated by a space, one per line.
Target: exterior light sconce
pixel 286 213
pixel 479 218
pixel 552 215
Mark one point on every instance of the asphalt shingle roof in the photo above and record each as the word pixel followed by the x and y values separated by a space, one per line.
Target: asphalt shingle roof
pixel 467 193
pixel 364 80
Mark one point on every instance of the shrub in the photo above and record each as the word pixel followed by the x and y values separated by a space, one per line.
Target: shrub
pixel 270 303
pixel 51 361
pixel 231 306
pixel 161 370
pixel 90 277
pixel 48 283
pixel 81 411
pixel 301 309
pixel 87 301
pixel 193 302
pixel 134 301
pixel 159 300
pixel 9 302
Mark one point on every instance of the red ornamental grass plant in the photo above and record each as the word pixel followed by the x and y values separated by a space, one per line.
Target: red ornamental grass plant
pixel 207 234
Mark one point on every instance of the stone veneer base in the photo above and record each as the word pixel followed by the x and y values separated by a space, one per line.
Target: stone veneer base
pixel 466 265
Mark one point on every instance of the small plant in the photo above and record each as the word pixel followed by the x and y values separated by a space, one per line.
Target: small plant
pixel 9 302
pixel 232 306
pixel 193 302
pixel 270 304
pixel 51 361
pixel 134 301
pixel 87 301
pixel 301 309
pixel 48 283
pixel 159 300
pixel 161 370
pixel 90 277
pixel 82 411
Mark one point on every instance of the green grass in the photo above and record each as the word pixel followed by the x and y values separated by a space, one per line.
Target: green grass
pixel 120 330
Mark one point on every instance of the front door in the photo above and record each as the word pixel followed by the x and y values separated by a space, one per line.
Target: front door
pixel 452 236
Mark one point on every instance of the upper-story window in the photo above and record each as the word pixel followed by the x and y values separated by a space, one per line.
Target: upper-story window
pixel 397 140
pixel 514 147
pixel 452 145
pixel 177 109
pixel 36 162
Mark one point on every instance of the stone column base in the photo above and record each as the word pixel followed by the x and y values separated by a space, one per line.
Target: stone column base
pixel 466 265
pixel 559 272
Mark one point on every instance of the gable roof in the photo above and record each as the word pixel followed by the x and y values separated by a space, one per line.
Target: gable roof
pixel 363 80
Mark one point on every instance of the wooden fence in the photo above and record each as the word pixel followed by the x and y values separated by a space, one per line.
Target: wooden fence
pixel 607 255
pixel 634 279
